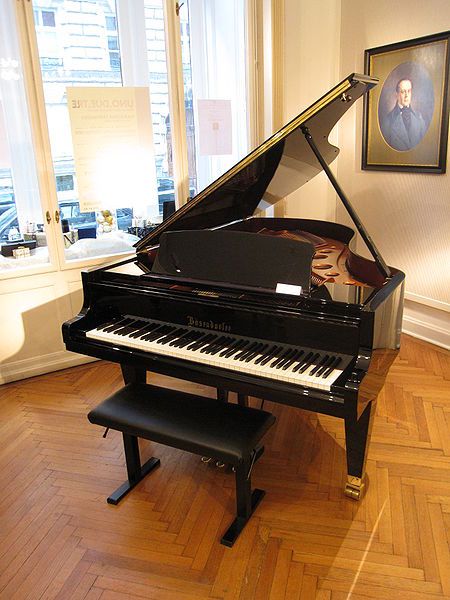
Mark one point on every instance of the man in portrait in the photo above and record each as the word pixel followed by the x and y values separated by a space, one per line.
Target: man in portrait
pixel 403 127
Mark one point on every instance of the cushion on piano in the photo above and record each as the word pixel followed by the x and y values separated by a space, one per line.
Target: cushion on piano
pixel 188 422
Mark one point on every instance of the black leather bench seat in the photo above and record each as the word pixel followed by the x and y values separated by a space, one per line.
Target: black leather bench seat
pixel 185 421
pixel 229 432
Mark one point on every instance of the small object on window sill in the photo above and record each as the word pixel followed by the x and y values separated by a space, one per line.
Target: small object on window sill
pixel 70 238
pixel 41 239
pixel 21 252
pixel 8 248
pixel 141 231
pixel 14 235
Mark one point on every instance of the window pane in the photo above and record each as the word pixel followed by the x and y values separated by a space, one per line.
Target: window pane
pixel 110 23
pixel 159 93
pixel 214 71
pixel 82 53
pixel 22 237
pixel 48 18
pixel 113 43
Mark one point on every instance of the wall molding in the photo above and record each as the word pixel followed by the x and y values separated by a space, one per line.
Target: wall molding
pixel 426 324
pixel 38 365
pixel 438 304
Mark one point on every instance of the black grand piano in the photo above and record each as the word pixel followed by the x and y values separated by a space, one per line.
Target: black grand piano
pixel 278 308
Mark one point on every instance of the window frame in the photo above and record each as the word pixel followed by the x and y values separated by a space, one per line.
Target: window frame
pixel 129 47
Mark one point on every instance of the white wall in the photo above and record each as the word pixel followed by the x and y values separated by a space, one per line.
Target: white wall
pixel 311 68
pixel 406 214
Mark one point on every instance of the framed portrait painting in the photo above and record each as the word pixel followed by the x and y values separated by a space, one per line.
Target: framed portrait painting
pixel 406 115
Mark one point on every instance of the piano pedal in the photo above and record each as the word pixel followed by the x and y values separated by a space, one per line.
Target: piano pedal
pixel 218 463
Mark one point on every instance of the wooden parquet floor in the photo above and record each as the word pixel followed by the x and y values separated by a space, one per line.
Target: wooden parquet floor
pixel 59 539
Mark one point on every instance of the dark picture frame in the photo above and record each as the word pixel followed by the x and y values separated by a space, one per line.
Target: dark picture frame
pixel 405 125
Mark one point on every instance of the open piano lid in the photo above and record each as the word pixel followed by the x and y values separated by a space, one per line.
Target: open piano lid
pixel 272 171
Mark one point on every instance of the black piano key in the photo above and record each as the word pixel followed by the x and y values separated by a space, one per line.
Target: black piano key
pixel 320 364
pixel 220 347
pixel 156 333
pixel 170 336
pixel 279 357
pixel 227 340
pixel 237 349
pixel 188 339
pixel 126 329
pixel 264 354
pixel 303 362
pixel 134 327
pixel 293 359
pixel 207 343
pixel 310 362
pixel 331 368
pixel 325 366
pixel 213 345
pixel 206 337
pixel 117 325
pixel 143 330
pixel 243 353
pixel 230 346
pixel 270 354
pixel 258 350
pixel 109 324
pixel 233 348
pixel 287 358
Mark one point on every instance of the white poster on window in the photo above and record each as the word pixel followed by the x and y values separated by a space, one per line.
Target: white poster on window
pixel 214 119
pixel 112 146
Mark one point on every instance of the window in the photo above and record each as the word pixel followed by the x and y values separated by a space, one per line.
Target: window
pixel 113 43
pixel 114 61
pixel 81 47
pixel 20 201
pixel 110 23
pixel 64 183
pixel 48 18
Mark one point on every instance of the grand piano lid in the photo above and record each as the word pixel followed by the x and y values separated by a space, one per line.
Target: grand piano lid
pixel 272 171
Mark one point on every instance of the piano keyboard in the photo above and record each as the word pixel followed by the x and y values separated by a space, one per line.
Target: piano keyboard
pixel 281 362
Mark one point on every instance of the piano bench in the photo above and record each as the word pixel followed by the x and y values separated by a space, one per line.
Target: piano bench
pixel 229 432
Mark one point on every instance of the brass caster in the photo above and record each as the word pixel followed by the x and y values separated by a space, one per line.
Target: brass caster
pixel 354 488
pixel 206 459
pixel 220 464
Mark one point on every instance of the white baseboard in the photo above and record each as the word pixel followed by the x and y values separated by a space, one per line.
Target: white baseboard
pixel 427 323
pixel 31 367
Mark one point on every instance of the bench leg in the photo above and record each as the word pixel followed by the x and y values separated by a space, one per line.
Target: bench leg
pixel 135 472
pixel 246 503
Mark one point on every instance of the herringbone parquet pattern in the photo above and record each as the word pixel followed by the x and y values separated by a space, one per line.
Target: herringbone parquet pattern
pixel 59 538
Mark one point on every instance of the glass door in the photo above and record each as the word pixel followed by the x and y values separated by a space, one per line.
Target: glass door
pixel 78 47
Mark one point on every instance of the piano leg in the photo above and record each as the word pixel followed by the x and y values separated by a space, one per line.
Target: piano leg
pixel 132 374
pixel 242 399
pixel 357 437
pixel 222 395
